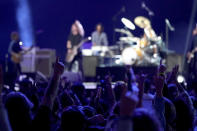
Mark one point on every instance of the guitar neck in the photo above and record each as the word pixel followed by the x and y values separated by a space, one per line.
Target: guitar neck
pixel 26 51
pixel 81 43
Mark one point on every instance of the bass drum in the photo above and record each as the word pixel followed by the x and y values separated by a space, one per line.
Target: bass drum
pixel 132 55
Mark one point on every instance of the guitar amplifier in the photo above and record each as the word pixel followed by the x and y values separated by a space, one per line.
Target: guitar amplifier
pixel 39 60
pixel 89 65
pixel 44 61
pixel 174 59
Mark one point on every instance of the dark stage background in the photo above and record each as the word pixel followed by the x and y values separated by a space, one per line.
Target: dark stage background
pixel 54 17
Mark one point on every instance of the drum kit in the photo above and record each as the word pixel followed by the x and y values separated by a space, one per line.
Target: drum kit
pixel 139 51
pixel 131 50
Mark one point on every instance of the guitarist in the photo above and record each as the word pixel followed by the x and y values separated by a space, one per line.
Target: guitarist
pixel 14 49
pixel 192 57
pixel 75 37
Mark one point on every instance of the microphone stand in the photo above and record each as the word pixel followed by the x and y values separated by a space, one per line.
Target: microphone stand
pixel 114 19
pixel 168 26
pixel 167 36
pixel 149 11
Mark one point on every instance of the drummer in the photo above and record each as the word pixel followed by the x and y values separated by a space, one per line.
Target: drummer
pixel 99 37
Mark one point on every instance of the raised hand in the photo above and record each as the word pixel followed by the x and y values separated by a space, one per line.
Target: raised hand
pixel 140 79
pixel 128 103
pixel 162 68
pixel 108 79
pixel 58 68
pixel 173 75
pixel 99 91
pixel 159 84
pixel 131 73
pixel 52 89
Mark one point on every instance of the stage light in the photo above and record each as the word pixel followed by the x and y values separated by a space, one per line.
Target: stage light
pixel 20 43
pixel 16 88
pixel 128 23
pixel 118 61
pixel 23 17
pixel 89 38
pixel 180 79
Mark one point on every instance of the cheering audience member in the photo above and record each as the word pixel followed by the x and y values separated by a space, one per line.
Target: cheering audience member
pixel 72 107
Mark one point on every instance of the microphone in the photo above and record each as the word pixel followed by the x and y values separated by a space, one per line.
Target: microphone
pixel 150 13
pixel 123 9
pixel 143 5
pixel 169 25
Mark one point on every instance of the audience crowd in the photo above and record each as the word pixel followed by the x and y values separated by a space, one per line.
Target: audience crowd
pixel 140 103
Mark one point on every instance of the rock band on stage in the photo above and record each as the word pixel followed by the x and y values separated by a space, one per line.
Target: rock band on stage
pixel 146 50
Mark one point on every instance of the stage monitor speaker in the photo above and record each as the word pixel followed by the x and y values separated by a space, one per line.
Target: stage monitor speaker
pixel 174 59
pixel 89 65
pixel 44 61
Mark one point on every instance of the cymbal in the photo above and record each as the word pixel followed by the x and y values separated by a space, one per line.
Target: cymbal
pixel 142 21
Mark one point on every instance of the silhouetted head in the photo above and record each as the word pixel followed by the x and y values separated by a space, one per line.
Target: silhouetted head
pixel 88 111
pixel 99 28
pixel 74 29
pixel 170 114
pixel 184 115
pixel 73 119
pixel 172 92
pixel 80 91
pixel 65 100
pixel 18 107
pixel 14 36
pixel 118 89
pixel 144 121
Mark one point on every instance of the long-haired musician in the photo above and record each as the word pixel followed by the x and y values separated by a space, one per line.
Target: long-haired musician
pixel 75 37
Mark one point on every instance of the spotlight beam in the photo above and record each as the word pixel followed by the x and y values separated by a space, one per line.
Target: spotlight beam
pixel 23 17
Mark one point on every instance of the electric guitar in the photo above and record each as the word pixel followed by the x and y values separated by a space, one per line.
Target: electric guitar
pixel 191 56
pixel 18 57
pixel 73 52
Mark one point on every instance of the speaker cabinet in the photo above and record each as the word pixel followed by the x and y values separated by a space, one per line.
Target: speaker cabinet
pixel 39 60
pixel 174 59
pixel 89 65
pixel 44 61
